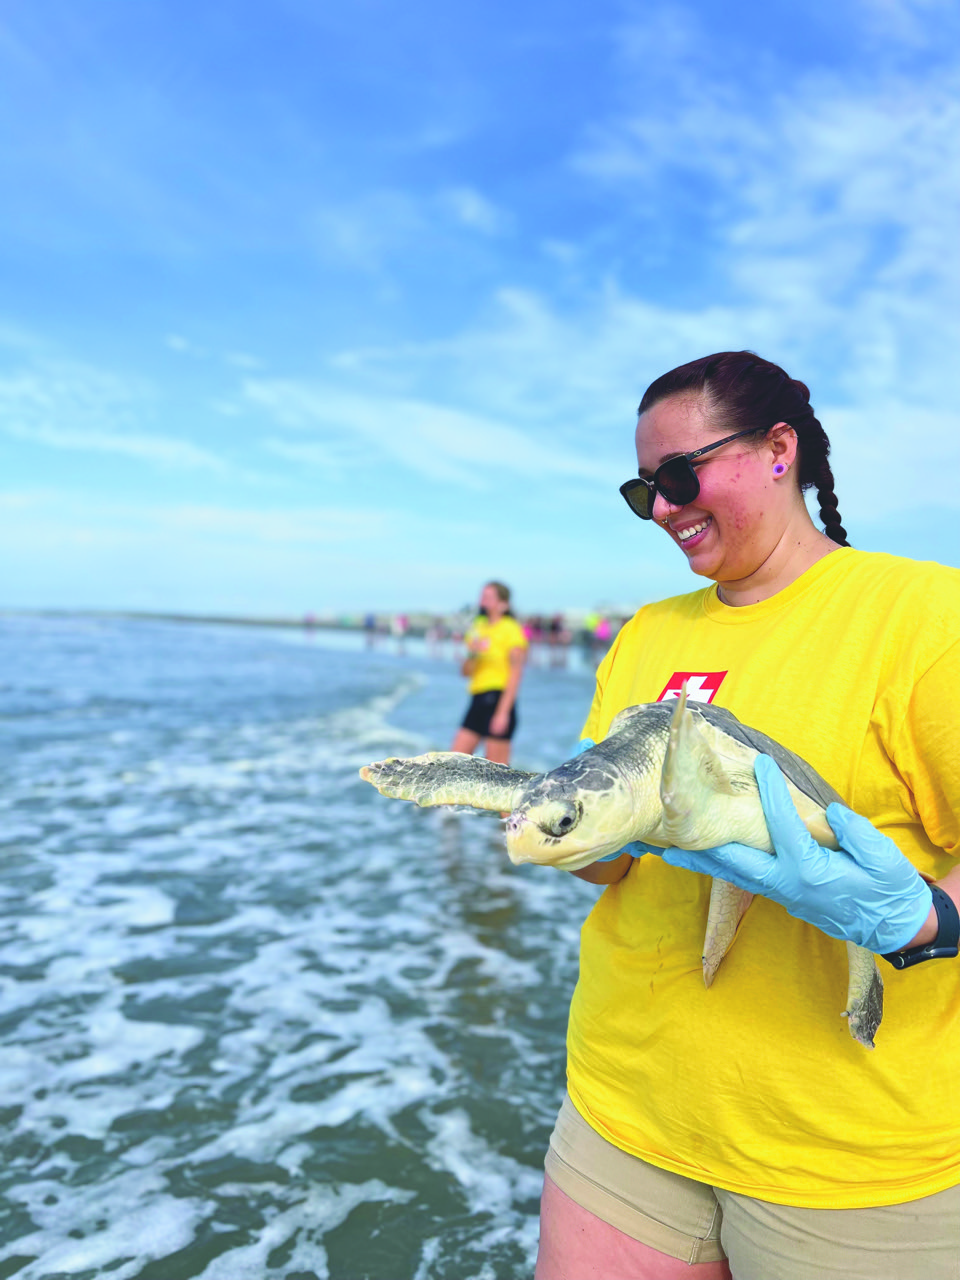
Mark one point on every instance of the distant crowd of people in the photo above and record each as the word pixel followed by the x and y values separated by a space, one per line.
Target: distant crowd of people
pixel 548 636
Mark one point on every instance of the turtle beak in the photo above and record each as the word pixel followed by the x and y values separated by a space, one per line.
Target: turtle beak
pixel 515 822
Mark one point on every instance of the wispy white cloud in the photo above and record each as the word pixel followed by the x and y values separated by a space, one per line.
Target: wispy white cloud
pixel 243 360
pixel 161 450
pixel 832 205
pixel 365 233
pixel 585 375
pixel 893 458
pixel 570 375
pixel 70 406
pixel 232 359
pixel 369 232
pixel 63 549
pixel 183 346
pixel 917 24
pixel 441 443
pixel 474 210
pixel 335 457
pixel 328 527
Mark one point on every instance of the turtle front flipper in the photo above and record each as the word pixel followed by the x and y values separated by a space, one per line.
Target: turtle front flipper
pixel 727 905
pixel 448 777
pixel 864 995
pixel 692 782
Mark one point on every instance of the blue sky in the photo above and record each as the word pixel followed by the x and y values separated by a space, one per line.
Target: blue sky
pixel 342 306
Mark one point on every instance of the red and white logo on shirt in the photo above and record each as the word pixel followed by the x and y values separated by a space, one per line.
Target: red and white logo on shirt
pixel 702 686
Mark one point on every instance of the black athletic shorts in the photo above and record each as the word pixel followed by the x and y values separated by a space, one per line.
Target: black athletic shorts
pixel 481 709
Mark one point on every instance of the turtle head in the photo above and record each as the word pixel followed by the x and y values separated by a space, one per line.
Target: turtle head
pixel 570 817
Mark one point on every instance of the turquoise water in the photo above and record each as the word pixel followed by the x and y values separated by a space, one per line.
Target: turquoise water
pixel 257 1020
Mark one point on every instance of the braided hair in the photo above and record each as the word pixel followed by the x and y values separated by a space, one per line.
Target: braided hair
pixel 742 390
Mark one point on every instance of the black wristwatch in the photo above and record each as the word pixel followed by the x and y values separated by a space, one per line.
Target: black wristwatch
pixel 947 942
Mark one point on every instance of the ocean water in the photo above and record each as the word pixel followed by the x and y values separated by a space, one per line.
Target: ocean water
pixel 258 1021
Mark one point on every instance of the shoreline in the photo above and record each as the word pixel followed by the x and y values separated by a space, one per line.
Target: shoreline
pixel 375 624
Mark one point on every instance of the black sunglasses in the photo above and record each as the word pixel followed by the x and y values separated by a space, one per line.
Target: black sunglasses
pixel 675 479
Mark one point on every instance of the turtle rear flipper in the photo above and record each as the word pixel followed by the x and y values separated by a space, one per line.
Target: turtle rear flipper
pixel 727 907
pixel 448 777
pixel 864 995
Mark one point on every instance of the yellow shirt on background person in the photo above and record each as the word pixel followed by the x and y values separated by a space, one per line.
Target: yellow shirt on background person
pixel 756 1085
pixel 493 663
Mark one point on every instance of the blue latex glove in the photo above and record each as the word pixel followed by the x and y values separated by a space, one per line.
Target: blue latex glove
pixel 866 892
pixel 635 848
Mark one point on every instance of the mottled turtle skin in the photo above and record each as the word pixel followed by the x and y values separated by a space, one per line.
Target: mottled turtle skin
pixel 667 773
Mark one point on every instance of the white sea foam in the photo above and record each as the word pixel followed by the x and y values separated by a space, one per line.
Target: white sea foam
pixel 119 1223
pixel 492 1182
pixel 247 999
pixel 299 1231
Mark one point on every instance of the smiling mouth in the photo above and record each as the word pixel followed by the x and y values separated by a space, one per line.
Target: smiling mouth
pixel 692 530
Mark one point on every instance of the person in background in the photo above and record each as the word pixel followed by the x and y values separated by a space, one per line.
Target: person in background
pixel 602 633
pixel 533 630
pixel 400 625
pixel 558 638
pixel 496 653
pixel 740 1131
pixel 435 635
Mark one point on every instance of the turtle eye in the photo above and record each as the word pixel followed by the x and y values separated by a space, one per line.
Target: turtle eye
pixel 558 824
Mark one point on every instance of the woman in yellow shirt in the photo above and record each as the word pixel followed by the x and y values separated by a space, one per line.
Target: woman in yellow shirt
pixel 739 1131
pixel 496 653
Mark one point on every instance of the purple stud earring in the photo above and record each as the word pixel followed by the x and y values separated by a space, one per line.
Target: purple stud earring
pixel 779 469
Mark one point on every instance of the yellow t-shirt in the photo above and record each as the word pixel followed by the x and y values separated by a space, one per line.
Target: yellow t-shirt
pixel 756 1085
pixel 493 664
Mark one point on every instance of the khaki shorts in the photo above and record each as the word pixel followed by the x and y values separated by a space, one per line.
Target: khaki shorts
pixel 699 1223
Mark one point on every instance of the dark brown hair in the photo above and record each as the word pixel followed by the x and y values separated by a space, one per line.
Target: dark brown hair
pixel 742 391
pixel 503 594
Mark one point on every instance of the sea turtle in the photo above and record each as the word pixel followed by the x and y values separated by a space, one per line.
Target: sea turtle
pixel 666 775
